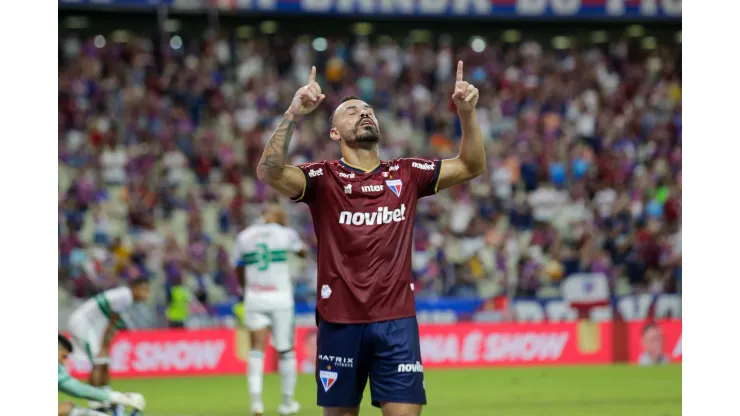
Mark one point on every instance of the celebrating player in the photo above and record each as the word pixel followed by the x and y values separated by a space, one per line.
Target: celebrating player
pixel 363 212
pixel 261 254
pixel 88 324
pixel 75 388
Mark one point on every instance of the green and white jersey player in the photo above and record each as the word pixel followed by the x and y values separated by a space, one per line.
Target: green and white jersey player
pixel 261 257
pixel 75 388
pixel 89 322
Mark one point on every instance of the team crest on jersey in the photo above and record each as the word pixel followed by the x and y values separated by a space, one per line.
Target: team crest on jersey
pixel 395 185
pixel 328 378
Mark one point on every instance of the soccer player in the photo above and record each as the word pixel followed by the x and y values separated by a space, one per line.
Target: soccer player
pixel 652 346
pixel 89 321
pixel 261 254
pixel 363 213
pixel 72 387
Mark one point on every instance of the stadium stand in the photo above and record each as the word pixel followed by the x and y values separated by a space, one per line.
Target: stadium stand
pixel 159 135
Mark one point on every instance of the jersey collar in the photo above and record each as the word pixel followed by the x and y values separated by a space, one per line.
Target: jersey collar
pixel 359 169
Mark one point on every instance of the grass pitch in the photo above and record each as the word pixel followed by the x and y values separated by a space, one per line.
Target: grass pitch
pixel 613 390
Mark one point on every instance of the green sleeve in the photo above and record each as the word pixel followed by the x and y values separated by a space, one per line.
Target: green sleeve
pixel 75 388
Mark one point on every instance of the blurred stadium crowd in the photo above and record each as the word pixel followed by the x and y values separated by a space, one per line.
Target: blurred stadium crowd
pixel 157 150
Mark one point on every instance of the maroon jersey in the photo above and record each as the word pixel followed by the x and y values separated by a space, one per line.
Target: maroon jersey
pixel 364 223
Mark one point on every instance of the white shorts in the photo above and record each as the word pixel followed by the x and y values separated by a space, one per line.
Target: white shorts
pixel 281 321
pixel 87 337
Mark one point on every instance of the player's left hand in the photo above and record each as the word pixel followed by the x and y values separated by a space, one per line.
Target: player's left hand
pixel 465 95
pixel 135 400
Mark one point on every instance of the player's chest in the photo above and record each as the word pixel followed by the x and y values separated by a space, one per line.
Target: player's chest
pixel 380 199
pixel 380 189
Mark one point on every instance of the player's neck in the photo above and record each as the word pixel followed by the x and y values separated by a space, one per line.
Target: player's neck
pixel 365 159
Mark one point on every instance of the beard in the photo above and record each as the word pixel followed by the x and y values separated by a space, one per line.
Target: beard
pixel 367 135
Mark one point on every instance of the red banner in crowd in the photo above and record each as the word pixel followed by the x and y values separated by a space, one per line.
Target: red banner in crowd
pixel 224 351
pixel 651 342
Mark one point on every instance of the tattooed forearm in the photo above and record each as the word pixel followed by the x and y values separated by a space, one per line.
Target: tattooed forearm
pixel 273 158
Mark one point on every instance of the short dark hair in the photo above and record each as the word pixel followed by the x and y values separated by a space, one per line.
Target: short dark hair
pixel 649 326
pixel 64 342
pixel 342 101
pixel 138 281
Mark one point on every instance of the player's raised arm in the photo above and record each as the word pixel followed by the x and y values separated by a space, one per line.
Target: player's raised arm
pixel 272 170
pixel 471 159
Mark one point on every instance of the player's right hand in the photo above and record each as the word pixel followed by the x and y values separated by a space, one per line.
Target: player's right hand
pixel 134 400
pixel 307 98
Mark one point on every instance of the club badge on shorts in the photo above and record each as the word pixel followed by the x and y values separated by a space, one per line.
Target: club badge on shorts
pixel 395 186
pixel 328 378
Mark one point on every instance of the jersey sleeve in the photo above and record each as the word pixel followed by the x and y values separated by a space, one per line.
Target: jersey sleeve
pixel 424 175
pixel 75 388
pixel 122 301
pixel 62 374
pixel 295 242
pixel 314 173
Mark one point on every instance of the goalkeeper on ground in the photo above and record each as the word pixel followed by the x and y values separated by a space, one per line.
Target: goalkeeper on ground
pixel 75 388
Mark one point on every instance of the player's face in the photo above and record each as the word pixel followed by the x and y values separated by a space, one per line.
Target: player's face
pixel 63 354
pixel 141 292
pixel 653 342
pixel 274 213
pixel 355 123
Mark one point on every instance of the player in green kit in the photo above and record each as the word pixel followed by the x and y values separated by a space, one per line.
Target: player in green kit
pixel 89 321
pixel 76 388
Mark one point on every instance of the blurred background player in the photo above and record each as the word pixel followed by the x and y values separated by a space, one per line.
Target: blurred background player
pixel 261 254
pixel 363 213
pixel 75 388
pixel 89 324
pixel 652 346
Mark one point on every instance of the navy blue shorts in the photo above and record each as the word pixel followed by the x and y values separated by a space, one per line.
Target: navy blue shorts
pixel 388 352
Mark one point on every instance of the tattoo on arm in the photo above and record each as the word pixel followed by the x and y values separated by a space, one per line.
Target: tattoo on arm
pixel 273 157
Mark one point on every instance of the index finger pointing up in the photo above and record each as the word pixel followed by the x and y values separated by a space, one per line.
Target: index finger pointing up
pixel 459 71
pixel 312 77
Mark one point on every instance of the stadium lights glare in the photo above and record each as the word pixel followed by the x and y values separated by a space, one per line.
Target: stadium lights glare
pixel 649 43
pixel 511 36
pixel 268 27
pixel 99 41
pixel 120 36
pixel 478 44
pixel 635 31
pixel 244 32
pixel 176 42
pixel 599 36
pixel 319 44
pixel 560 42
pixel 76 22
pixel 362 28
pixel 420 35
pixel 171 25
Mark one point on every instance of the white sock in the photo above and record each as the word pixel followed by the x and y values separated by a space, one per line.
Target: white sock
pixel 255 370
pixel 288 375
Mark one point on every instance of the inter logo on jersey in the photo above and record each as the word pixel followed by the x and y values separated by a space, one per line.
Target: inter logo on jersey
pixel 395 186
pixel 328 378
